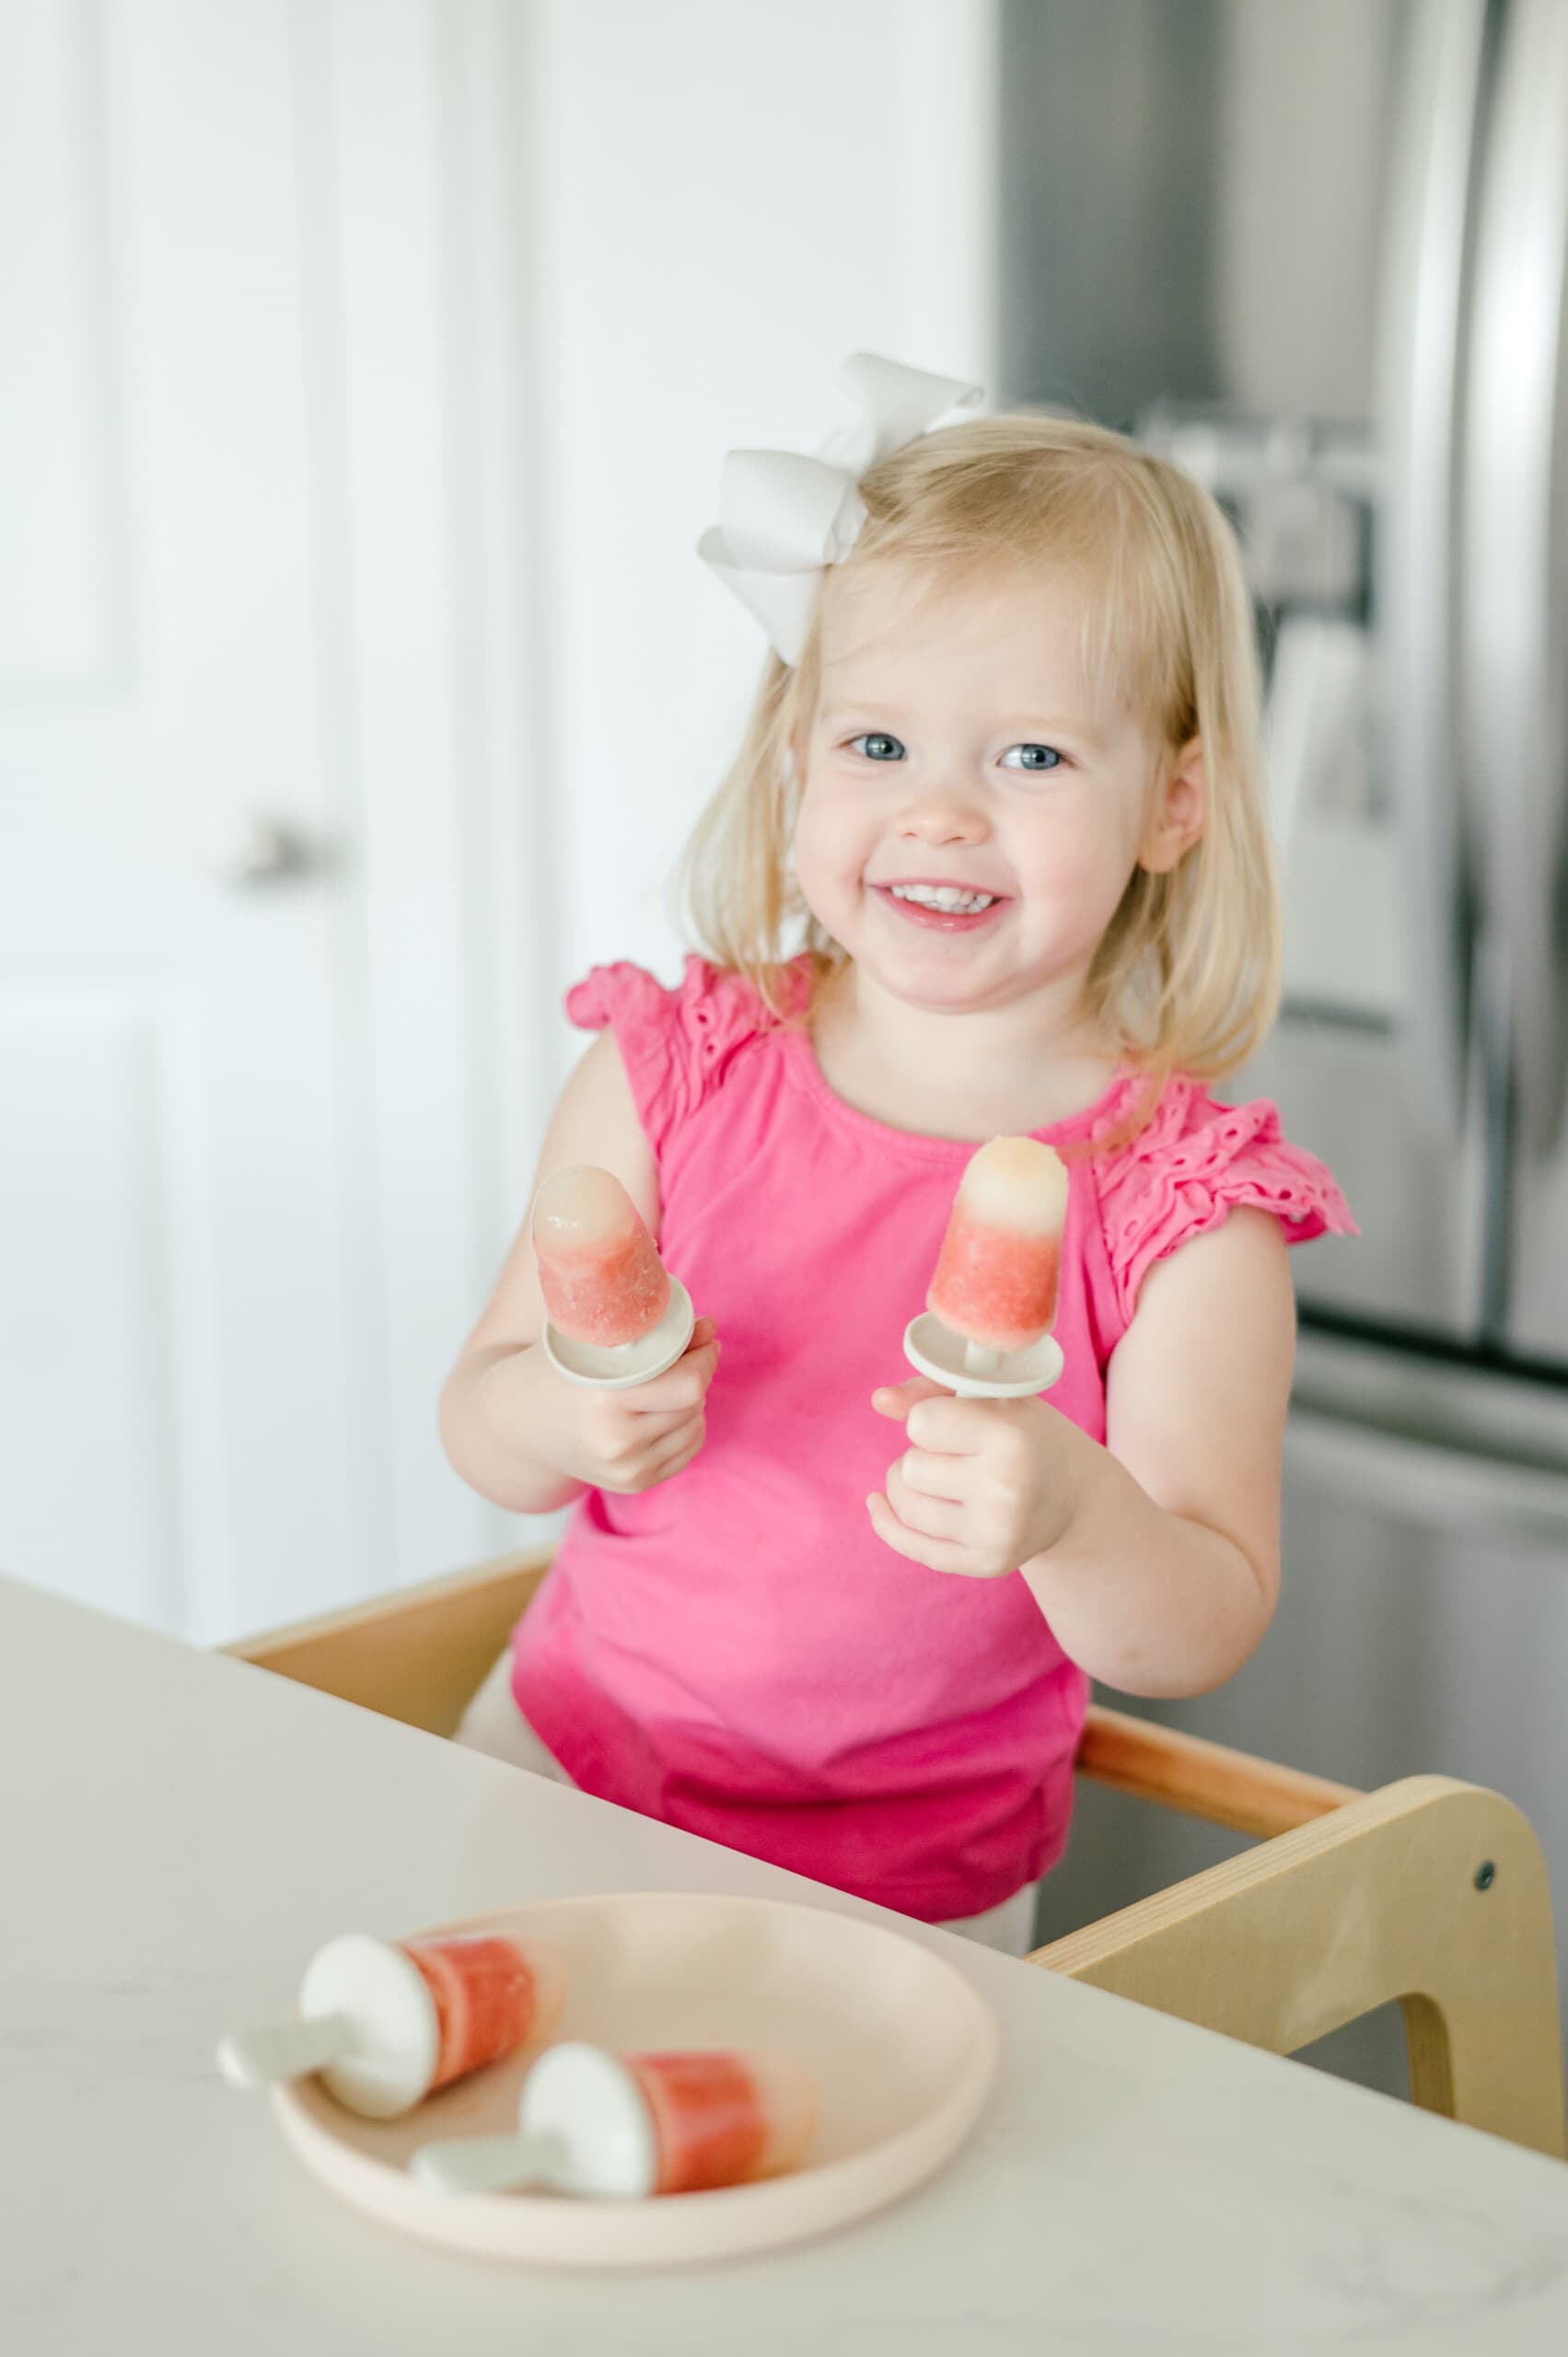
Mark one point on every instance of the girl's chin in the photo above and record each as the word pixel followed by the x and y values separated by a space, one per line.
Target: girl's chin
pixel 945 985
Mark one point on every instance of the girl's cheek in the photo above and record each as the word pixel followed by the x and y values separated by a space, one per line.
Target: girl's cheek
pixel 830 843
pixel 1069 852
pixel 823 879
pixel 1057 868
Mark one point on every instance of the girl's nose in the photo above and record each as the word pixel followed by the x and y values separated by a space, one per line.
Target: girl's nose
pixel 944 814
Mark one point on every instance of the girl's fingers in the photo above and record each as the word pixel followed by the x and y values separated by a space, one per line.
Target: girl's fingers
pixel 954 1427
pixel 632 1438
pixel 936 1554
pixel 640 1468
pixel 684 1385
pixel 896 1400
pixel 678 1464
pixel 934 1476
pixel 932 1518
pixel 657 1463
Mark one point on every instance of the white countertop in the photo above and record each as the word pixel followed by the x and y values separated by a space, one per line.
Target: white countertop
pixel 178 1831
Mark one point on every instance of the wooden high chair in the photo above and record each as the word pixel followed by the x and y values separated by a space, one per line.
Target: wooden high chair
pixel 1430 1891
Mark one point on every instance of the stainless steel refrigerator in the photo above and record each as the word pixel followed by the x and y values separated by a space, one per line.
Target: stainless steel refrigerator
pixel 1316 252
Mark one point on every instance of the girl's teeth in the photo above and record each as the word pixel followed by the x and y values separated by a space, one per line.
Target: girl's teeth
pixel 945 895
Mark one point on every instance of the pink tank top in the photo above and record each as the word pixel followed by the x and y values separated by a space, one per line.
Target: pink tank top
pixel 736 1652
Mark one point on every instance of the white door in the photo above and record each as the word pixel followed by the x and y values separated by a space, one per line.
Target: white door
pixel 241 912
pixel 368 366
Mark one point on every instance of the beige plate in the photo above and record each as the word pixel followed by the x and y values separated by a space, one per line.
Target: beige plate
pixel 901 2048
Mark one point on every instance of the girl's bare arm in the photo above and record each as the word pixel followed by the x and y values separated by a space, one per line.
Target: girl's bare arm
pixel 1155 1558
pixel 514 1428
pixel 1169 1575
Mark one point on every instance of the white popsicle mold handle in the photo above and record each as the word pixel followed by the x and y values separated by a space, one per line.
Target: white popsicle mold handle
pixel 618 1370
pixel 934 1350
pixel 256 2058
pixel 488 2163
pixel 367 2022
pixel 583 2127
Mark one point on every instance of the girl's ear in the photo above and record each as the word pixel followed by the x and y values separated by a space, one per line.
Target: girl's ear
pixel 1179 813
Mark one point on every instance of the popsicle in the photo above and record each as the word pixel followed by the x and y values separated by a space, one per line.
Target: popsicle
pixel 386 2023
pixel 592 2122
pixel 600 1268
pixel 997 1274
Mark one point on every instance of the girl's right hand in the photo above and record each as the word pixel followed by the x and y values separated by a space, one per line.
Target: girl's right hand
pixel 628 1441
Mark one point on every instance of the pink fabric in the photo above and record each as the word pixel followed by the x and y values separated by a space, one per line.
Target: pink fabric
pixel 735 1651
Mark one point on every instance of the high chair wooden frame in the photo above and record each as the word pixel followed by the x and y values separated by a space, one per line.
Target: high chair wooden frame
pixel 1429 1891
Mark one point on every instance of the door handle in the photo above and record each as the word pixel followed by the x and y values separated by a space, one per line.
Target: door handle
pixel 259 848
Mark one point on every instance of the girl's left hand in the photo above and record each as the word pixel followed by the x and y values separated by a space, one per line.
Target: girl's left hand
pixel 986 1485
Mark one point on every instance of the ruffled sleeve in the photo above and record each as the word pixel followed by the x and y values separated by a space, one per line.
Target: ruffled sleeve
pixel 1196 1163
pixel 676 1045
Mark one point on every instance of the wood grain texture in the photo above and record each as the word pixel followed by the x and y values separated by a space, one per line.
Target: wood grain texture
pixel 1429 1891
pixel 1204 1780
pixel 407 1655
pixel 418 1655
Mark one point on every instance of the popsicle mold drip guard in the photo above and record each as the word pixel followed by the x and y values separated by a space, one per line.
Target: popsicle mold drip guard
pixel 617 1370
pixel 934 1350
pixel 898 2044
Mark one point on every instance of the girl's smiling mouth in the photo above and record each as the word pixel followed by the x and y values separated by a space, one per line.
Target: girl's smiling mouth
pixel 947 906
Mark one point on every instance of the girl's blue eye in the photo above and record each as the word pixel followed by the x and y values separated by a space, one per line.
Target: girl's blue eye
pixel 1031 757
pixel 876 747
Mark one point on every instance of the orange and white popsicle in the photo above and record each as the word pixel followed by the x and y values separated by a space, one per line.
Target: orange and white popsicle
pixel 1001 1259
pixel 598 1268
pixel 386 2022
pixel 724 2118
pixel 592 2122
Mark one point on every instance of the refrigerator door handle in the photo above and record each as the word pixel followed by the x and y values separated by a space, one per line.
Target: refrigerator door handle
pixel 1515 638
pixel 1431 1484
pixel 1421 372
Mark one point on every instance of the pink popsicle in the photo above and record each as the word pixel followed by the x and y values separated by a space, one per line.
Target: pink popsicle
pixel 592 2122
pixel 723 2118
pixel 996 1273
pixel 598 1268
pixel 386 2021
pixel 490 1996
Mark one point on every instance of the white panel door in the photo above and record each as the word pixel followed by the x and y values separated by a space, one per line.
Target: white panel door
pixel 241 801
pixel 368 369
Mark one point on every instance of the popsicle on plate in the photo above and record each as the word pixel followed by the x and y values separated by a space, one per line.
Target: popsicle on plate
pixel 598 1268
pixel 724 2118
pixel 592 2122
pixel 997 1271
pixel 386 2021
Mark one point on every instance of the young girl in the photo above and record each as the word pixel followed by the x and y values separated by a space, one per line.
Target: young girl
pixel 1003 769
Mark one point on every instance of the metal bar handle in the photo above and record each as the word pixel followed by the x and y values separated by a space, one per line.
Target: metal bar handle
pixel 1425 316
pixel 1514 639
pixel 1429 1483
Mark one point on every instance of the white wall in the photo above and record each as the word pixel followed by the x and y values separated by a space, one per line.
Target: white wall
pixel 726 202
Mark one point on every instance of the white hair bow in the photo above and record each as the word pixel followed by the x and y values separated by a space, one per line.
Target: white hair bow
pixel 784 517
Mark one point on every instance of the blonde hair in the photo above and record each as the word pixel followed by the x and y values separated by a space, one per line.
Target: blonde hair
pixel 1186 976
